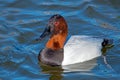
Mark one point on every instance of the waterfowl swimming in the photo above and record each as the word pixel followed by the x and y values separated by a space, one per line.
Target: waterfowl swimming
pixel 78 48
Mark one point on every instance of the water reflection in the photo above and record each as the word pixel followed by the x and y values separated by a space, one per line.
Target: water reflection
pixel 54 72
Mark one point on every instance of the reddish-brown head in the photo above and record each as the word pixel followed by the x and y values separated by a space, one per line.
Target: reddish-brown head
pixel 57 28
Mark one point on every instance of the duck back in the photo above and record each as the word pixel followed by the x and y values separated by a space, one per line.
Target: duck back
pixel 81 48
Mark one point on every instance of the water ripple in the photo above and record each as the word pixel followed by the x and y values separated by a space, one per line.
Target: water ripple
pixel 21 22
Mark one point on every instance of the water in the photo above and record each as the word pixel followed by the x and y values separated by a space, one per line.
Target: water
pixel 22 21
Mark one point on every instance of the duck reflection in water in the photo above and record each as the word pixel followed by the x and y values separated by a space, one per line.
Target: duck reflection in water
pixel 54 71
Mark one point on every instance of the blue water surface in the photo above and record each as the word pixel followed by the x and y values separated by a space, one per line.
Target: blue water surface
pixel 22 21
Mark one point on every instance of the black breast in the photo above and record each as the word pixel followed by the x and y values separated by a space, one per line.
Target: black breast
pixel 51 57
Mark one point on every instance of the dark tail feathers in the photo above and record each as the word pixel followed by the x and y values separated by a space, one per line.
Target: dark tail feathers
pixel 107 43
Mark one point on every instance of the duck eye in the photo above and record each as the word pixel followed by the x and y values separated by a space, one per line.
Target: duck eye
pixel 56 23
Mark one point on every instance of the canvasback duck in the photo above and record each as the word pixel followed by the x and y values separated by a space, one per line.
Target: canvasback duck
pixel 77 49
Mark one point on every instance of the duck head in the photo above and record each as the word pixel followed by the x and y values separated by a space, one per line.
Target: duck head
pixel 57 29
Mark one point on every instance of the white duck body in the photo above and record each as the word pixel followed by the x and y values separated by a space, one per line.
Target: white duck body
pixel 81 48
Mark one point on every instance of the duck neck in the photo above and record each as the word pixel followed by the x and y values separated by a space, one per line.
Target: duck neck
pixel 56 42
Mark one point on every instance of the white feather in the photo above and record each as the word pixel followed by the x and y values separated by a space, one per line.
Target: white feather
pixel 81 48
